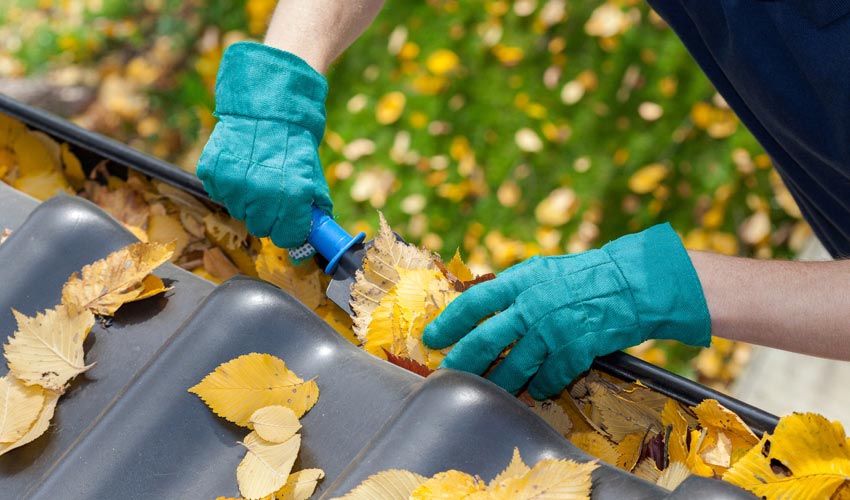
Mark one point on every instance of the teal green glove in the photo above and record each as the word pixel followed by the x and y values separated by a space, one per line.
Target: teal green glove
pixel 565 311
pixel 262 160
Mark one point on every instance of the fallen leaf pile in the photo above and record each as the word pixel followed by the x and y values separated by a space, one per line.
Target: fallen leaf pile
pixel 259 392
pixel 46 351
pixel 400 289
pixel 207 241
pixel 550 478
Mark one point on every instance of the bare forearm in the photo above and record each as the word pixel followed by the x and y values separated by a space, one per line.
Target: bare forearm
pixel 318 31
pixel 795 306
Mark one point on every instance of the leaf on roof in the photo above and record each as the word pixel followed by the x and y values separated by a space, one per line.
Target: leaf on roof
pixel 38 427
pixel 47 350
pixel 266 466
pixel 20 406
pixel 241 386
pixel 393 484
pixel 107 284
pixel 275 423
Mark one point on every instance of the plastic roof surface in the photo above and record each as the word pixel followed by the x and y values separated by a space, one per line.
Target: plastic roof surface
pixel 128 428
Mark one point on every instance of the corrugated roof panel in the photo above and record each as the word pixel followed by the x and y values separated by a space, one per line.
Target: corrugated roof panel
pixel 128 428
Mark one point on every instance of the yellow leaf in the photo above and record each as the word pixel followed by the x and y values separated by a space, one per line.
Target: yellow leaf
pixel 241 386
pixel 302 281
pixel 715 418
pixel 595 444
pixel 393 484
pixel 266 465
pixel 167 228
pixel 647 178
pixel 807 457
pixel 401 313
pixel 449 485
pixel 73 168
pixel 646 469
pixel 117 279
pixel 607 20
pixel 380 273
pixel 672 417
pixel 674 475
pixel 425 84
pixel 550 479
pixel 10 130
pixel 218 265
pixel 39 427
pixel 557 208
pixel 554 415
pixel 34 158
pixel 718 455
pixel 515 469
pixel 390 107
pixel 138 232
pixel 338 319
pixel 230 233
pixel 123 202
pixel 275 423
pixel 151 285
pixel 42 185
pixel 442 62
pixel 755 228
pixel 579 420
pixel 459 269
pixel 20 406
pixel 622 412
pixel 48 350
pixel 299 486
pixel 628 451
pixel 699 441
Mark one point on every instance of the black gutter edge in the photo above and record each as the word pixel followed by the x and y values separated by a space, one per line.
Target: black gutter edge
pixel 110 149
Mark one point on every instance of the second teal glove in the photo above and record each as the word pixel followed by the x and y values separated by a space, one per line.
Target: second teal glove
pixel 564 311
pixel 262 160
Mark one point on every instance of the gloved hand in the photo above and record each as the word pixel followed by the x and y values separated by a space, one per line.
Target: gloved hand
pixel 565 311
pixel 262 160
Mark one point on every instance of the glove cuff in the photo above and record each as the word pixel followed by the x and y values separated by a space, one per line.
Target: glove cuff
pixel 262 82
pixel 664 284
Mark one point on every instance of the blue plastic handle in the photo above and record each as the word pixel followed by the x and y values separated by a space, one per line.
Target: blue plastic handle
pixel 330 239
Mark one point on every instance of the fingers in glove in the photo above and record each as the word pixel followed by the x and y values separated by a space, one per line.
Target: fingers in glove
pixel 265 200
pixel 560 369
pixel 292 226
pixel 466 311
pixel 229 184
pixel 476 352
pixel 520 364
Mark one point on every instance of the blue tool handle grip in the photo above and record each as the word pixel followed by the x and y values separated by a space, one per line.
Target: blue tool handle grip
pixel 330 239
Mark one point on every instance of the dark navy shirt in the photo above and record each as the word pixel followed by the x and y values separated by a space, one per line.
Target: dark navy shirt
pixel 784 68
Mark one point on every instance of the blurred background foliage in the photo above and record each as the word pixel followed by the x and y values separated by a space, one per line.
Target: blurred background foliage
pixel 502 128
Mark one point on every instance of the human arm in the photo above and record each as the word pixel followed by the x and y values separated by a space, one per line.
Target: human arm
pixel 261 160
pixel 559 313
pixel 318 31
pixel 795 306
